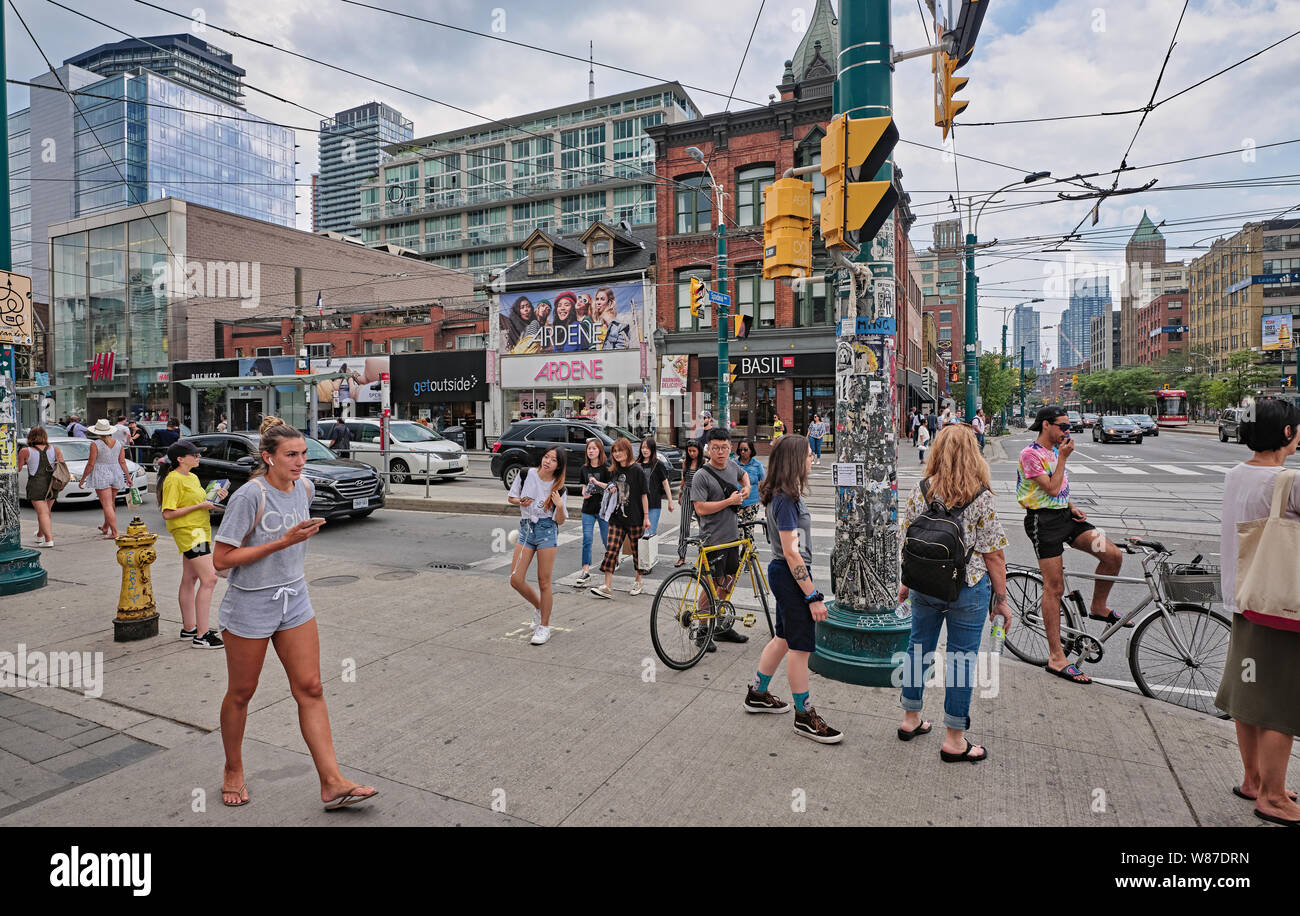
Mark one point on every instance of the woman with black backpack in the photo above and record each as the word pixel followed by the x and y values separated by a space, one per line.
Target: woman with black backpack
pixel 951 573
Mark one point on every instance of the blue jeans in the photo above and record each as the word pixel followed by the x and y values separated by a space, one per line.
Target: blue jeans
pixel 966 617
pixel 654 523
pixel 589 523
pixel 542 534
pixel 816 448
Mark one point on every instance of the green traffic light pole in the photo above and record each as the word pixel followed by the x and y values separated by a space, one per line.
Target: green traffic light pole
pixel 1023 418
pixel 1002 363
pixel 720 311
pixel 20 568
pixel 972 311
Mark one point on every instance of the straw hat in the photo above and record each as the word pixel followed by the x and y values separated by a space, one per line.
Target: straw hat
pixel 102 428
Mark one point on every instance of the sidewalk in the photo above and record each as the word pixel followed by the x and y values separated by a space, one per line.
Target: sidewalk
pixel 458 720
pixel 1204 429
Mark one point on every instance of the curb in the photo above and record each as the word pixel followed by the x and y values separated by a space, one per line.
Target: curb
pixel 1213 431
pixel 456 507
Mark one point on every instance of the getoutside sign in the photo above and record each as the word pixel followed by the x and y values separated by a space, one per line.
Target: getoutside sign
pixel 571 320
pixel 1277 332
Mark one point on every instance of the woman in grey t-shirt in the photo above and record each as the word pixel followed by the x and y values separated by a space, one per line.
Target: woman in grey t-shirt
pixel 263 542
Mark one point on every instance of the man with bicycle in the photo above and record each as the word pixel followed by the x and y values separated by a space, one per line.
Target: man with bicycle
pixel 1052 521
pixel 717 489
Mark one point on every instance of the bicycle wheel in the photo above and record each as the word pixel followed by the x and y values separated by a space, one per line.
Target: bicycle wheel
pixel 682 620
pixel 1163 672
pixel 1026 637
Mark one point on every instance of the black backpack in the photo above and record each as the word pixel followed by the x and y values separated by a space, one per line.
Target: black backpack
pixel 934 552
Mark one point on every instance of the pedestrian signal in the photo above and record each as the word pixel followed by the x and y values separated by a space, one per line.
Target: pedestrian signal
pixel 740 325
pixel 954 373
pixel 854 151
pixel 787 229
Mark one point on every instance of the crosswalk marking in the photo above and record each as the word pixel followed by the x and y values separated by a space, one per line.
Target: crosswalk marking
pixel 1175 470
pixel 1218 468
pixel 1082 469
pixel 1125 469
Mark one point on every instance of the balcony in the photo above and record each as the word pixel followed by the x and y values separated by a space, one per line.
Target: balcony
pixel 443 241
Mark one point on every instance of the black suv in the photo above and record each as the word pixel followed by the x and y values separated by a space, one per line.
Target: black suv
pixel 1230 424
pixel 344 488
pixel 1148 425
pixel 526 441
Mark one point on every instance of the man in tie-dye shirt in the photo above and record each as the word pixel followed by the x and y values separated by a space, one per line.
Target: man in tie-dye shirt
pixel 1052 521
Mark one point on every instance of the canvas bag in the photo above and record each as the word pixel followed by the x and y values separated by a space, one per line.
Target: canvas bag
pixel 1268 577
pixel 62 476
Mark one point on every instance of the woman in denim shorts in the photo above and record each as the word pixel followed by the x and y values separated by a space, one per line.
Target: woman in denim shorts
pixel 263 542
pixel 543 506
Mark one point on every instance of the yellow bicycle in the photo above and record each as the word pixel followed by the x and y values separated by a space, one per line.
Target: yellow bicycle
pixel 688 612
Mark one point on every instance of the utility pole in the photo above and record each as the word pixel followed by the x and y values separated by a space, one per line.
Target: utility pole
pixel 1022 387
pixel 722 313
pixel 861 637
pixel 20 567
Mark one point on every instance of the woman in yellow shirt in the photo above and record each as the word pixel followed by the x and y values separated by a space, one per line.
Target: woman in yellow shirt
pixel 186 508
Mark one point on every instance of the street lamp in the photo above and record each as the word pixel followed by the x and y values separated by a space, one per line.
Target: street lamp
pixel 1002 363
pixel 972 314
pixel 724 356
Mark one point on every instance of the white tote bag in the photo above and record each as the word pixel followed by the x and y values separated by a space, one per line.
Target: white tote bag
pixel 1268 574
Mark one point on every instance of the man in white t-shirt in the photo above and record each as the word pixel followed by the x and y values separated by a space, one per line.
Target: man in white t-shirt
pixel 977 424
pixel 122 433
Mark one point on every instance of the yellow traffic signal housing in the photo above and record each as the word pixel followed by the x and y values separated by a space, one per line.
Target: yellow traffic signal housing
pixel 855 149
pixel 731 375
pixel 787 229
pixel 699 296
pixel 740 325
pixel 946 108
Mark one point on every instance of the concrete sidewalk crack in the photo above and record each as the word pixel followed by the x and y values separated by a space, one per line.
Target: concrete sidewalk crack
pixel 1168 763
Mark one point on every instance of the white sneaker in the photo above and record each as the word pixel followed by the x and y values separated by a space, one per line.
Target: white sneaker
pixel 44 543
pixel 636 589
pixel 537 619
pixel 541 635
pixel 601 592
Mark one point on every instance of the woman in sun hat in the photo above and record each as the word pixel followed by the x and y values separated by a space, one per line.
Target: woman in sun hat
pixel 105 473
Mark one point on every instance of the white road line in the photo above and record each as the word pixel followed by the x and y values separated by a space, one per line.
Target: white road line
pixel 1176 470
pixel 1216 467
pixel 1082 469
pixel 1125 469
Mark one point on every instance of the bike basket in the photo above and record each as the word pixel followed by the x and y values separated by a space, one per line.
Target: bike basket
pixel 1195 584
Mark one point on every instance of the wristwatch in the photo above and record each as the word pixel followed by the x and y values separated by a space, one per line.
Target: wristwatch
pixel 814 597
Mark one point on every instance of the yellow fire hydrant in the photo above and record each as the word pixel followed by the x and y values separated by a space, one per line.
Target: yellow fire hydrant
pixel 137 614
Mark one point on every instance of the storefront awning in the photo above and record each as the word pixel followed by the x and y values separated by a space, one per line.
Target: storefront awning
pixel 261 381
pixel 921 394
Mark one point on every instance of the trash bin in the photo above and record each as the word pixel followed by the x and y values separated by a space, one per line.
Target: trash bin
pixel 455 434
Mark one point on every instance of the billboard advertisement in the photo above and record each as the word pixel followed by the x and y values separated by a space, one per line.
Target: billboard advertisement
pixel 359 386
pixel 1277 332
pixel 673 374
pixel 267 365
pixel 572 319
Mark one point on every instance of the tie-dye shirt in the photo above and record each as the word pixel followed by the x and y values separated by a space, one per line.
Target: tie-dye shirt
pixel 1037 461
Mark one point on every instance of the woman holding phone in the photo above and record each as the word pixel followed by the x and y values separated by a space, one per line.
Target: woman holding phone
pixel 543 507
pixel 263 542
pixel 187 509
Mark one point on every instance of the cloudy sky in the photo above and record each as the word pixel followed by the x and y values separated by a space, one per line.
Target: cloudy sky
pixel 1035 59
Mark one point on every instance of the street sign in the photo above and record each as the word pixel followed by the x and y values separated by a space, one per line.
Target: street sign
pixel 719 298
pixel 15 309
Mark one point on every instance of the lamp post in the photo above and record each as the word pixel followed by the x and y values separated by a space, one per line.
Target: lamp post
pixel 724 357
pixel 972 314
pixel 1002 363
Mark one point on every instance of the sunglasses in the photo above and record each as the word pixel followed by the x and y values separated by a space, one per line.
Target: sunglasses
pixel 1063 427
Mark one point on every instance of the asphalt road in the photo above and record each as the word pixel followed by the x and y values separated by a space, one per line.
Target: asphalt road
pixel 1163 477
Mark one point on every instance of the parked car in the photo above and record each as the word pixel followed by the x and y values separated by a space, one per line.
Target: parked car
pixel 151 429
pixel 344 488
pixel 76 452
pixel 1090 420
pixel 415 450
pixel 1148 425
pixel 1120 429
pixel 1076 421
pixel 1230 424
pixel 526 441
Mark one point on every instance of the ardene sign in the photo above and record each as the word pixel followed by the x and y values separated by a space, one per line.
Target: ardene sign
pixel 606 367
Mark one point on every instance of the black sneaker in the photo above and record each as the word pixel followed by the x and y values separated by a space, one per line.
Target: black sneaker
pixel 813 726
pixel 764 702
pixel 189 634
pixel 209 640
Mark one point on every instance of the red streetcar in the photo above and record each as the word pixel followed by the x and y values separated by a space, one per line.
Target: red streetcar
pixel 1171 407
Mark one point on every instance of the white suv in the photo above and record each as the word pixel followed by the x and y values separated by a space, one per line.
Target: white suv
pixel 413 450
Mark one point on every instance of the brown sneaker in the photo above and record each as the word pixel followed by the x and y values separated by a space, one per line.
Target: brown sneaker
pixel 764 702
pixel 811 725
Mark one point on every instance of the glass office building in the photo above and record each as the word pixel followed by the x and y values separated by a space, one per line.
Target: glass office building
pixel 351 151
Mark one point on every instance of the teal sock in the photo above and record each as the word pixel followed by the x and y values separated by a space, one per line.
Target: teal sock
pixel 801 701
pixel 761 681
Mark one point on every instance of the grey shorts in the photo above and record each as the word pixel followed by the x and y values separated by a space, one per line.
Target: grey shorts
pixel 263 612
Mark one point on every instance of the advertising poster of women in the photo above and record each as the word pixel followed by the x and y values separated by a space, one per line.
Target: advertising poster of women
pixel 571 320
pixel 360 384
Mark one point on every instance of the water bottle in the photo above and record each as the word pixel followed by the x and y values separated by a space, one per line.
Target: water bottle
pixel 904 609
pixel 997 636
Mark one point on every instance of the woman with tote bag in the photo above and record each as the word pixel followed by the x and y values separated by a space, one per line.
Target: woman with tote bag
pixel 1261 532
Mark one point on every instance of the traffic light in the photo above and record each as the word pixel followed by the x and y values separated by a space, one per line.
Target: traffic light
pixel 954 373
pixel 1074 381
pixel 852 150
pixel 699 296
pixel 946 108
pixel 740 325
pixel 787 229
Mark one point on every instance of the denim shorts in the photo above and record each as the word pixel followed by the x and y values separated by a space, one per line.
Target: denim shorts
pixel 538 535
pixel 259 613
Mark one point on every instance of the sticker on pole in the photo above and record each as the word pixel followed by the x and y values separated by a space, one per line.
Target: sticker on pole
pixel 850 475
pixel 876 326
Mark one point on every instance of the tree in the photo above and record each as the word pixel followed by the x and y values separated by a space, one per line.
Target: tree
pixel 997 384
pixel 1243 376
pixel 1218 395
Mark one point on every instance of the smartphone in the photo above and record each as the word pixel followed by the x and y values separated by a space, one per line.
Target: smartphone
pixel 316 520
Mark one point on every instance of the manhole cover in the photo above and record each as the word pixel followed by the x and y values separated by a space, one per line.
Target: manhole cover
pixel 329 581
pixel 455 566
pixel 395 575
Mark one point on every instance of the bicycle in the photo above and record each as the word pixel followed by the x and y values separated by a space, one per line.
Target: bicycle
pixel 1176 654
pixel 687 612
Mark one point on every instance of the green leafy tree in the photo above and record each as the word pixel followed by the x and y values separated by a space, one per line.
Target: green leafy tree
pixel 1244 376
pixel 1217 394
pixel 997 384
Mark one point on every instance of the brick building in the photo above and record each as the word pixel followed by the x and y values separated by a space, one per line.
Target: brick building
pixel 1163 326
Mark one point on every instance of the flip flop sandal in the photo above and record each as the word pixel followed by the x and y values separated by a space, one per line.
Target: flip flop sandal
pixel 240 792
pixel 1236 790
pixel 949 757
pixel 1113 617
pixel 1274 819
pixel 347 798
pixel 681 562
pixel 1070 673
pixel 922 729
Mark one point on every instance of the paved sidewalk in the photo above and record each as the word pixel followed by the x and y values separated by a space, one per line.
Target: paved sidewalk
pixel 451 712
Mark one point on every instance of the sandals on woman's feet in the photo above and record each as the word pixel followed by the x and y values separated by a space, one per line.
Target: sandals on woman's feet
pixel 949 757
pixel 241 792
